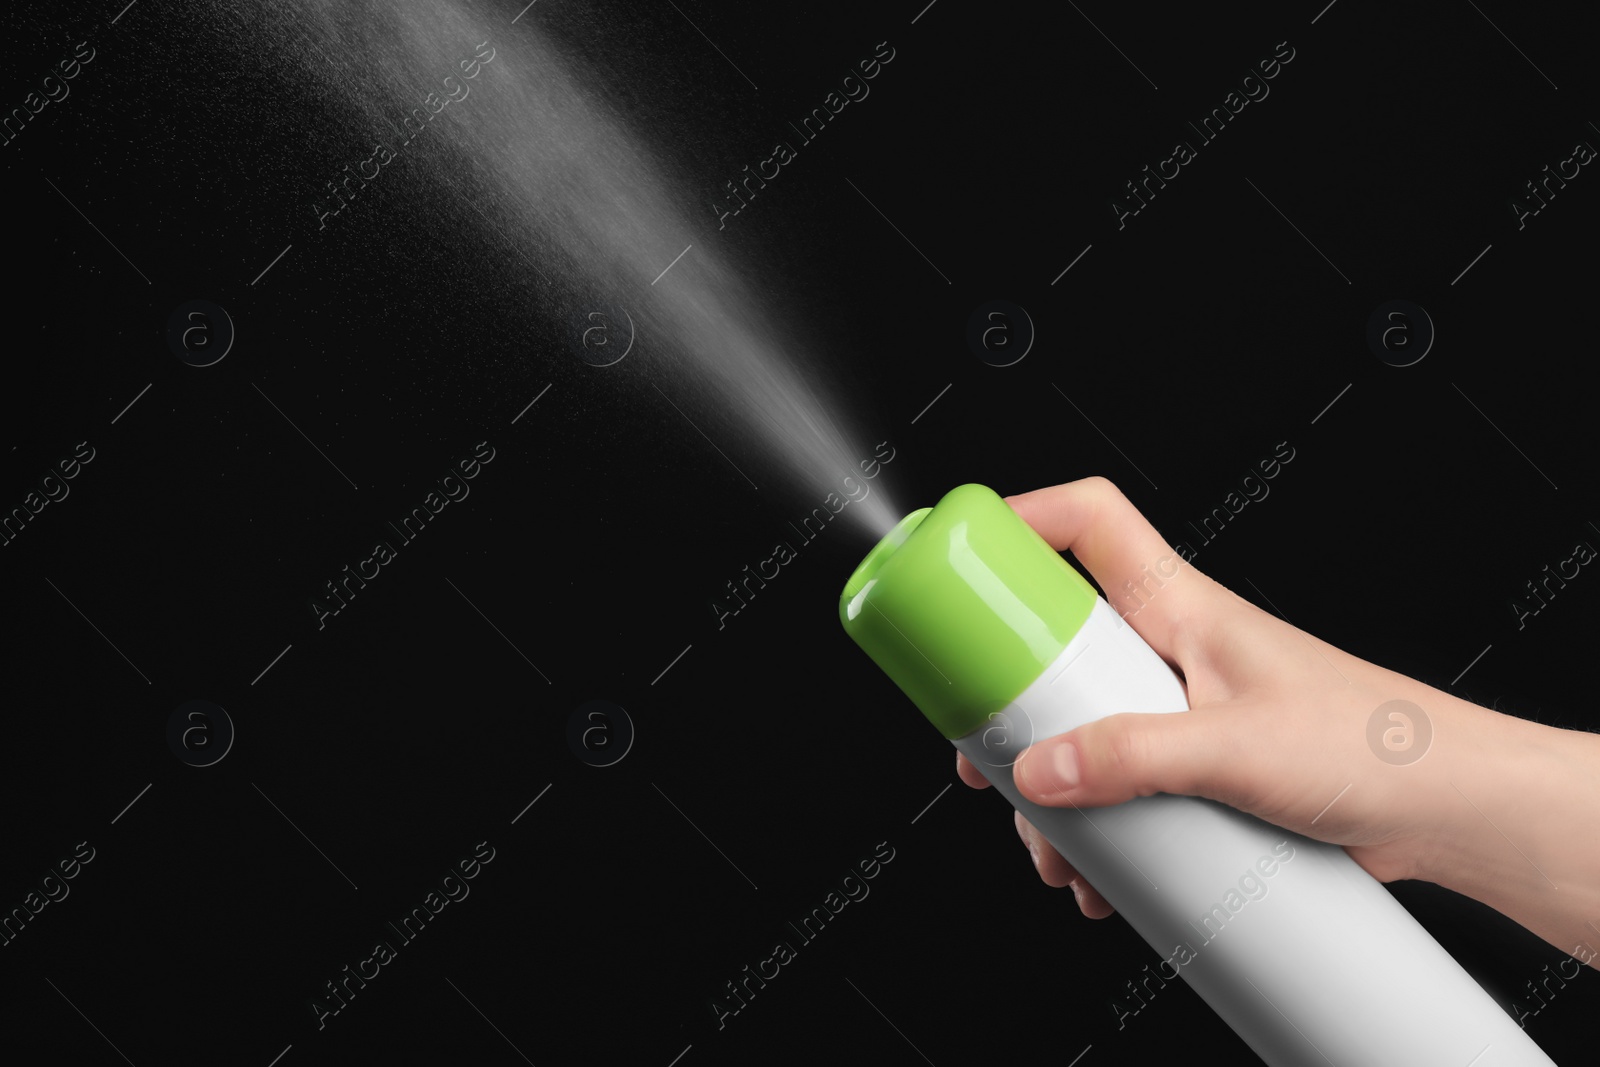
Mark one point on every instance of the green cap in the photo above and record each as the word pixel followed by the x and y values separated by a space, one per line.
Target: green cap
pixel 963 604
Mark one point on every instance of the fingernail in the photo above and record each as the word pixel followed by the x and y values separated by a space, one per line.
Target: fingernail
pixel 1077 893
pixel 1064 761
pixel 1033 852
pixel 1055 774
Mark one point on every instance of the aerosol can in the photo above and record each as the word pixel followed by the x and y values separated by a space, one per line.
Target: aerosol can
pixel 1001 643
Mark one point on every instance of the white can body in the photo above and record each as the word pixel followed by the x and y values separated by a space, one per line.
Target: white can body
pixel 1304 954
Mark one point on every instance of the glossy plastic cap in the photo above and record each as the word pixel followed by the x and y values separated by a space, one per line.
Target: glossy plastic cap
pixel 963 605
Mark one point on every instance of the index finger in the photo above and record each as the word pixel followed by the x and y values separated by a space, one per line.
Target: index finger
pixel 1144 578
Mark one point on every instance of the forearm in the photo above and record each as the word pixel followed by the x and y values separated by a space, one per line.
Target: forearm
pixel 1519 824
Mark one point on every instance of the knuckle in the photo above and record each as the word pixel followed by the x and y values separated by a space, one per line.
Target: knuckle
pixel 1125 751
pixel 1104 488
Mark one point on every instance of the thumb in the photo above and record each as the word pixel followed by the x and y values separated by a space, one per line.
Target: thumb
pixel 1119 757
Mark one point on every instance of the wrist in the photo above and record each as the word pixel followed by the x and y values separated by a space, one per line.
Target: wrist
pixel 1517 808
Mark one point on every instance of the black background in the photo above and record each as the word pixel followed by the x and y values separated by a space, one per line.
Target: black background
pixel 771 756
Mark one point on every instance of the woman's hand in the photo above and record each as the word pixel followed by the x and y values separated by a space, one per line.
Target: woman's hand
pixel 1282 726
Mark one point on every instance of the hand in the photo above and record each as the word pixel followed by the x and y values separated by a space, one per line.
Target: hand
pixel 1496 808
